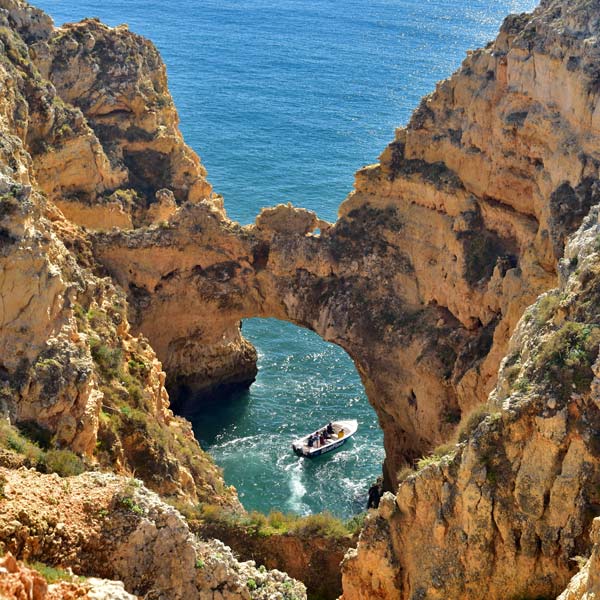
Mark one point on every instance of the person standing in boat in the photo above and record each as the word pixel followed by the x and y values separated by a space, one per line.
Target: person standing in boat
pixel 330 429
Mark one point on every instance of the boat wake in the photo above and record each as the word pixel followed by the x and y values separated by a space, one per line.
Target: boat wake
pixel 296 502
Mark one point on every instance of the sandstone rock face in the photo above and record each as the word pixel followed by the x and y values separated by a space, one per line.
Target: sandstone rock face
pixel 112 527
pixel 18 582
pixel 313 559
pixel 504 513
pixel 68 362
pixel 435 255
pixel 106 122
pixel 422 280
pixel 585 585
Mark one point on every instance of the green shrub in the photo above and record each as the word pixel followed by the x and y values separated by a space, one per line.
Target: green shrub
pixel 52 574
pixel 567 355
pixel 64 462
pixel 546 307
pixel 108 359
pixel 356 523
pixel 436 456
pixel 404 473
pixel 129 503
pixel 12 439
pixel 252 585
pixel 277 520
pixel 320 524
pixel 472 421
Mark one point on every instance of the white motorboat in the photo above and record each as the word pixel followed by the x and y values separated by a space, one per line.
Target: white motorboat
pixel 311 445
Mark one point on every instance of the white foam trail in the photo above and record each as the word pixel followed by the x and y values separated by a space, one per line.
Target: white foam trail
pixel 297 489
pixel 236 442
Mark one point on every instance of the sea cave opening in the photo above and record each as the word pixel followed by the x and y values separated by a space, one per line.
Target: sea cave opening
pixel 302 383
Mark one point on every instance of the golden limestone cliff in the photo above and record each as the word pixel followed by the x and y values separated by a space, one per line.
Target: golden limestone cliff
pixel 434 256
pixel 72 374
pixel 118 261
pixel 102 525
pixel 506 512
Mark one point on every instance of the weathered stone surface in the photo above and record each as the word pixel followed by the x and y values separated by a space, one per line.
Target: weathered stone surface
pixel 506 511
pixel 422 280
pixel 311 558
pixel 19 582
pixel 68 362
pixel 112 527
pixel 435 255
pixel 586 584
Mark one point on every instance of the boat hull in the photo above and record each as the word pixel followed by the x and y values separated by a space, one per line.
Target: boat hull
pixel 347 429
pixel 320 451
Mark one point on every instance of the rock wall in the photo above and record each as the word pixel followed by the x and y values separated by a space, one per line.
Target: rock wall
pixel 19 582
pixel 585 585
pixel 422 280
pixel 505 513
pixel 435 255
pixel 313 559
pixel 70 369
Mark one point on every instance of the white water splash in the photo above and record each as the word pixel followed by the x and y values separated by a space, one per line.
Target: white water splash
pixel 297 489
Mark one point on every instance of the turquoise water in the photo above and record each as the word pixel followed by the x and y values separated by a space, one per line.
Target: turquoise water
pixel 284 100
pixel 302 384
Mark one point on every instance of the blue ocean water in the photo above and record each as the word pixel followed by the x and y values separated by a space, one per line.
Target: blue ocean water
pixel 284 100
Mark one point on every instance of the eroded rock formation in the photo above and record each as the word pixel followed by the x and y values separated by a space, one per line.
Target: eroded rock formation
pixel 434 257
pixel 505 513
pixel 585 585
pixel 422 279
pixel 70 369
pixel 310 557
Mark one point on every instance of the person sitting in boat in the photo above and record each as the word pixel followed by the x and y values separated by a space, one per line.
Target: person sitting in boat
pixel 329 429
pixel 311 440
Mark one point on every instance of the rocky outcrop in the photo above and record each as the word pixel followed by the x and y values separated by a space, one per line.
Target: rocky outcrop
pixel 505 512
pixel 19 582
pixel 585 585
pixel 422 279
pixel 311 558
pixel 112 527
pixel 70 370
pixel 115 81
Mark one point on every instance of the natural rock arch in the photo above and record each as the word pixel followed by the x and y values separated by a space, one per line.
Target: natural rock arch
pixel 193 280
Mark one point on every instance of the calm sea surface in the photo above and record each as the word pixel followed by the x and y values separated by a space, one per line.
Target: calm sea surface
pixel 284 100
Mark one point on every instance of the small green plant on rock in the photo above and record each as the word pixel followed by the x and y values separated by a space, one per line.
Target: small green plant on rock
pixel 546 307
pixel 129 503
pixel 251 584
pixel 404 473
pixel 445 450
pixel 52 574
pixel 472 421
pixel 566 357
